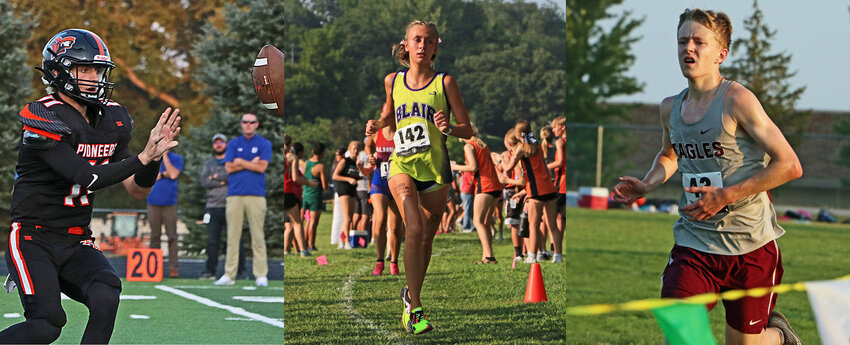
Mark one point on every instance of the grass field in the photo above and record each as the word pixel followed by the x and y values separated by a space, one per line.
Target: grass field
pixel 618 256
pixel 178 319
pixel 468 304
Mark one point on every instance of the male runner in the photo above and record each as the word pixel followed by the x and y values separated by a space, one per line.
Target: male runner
pixel 717 135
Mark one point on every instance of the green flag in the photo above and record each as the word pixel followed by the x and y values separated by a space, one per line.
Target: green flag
pixel 685 324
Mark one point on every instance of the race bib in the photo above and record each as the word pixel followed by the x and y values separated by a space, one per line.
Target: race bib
pixel 385 169
pixel 713 179
pixel 411 139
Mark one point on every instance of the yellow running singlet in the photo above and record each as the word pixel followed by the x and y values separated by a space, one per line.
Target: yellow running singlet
pixel 420 148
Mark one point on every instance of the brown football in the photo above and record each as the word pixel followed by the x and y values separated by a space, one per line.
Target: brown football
pixel 268 78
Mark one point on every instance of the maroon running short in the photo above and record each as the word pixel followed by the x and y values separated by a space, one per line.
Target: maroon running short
pixel 691 272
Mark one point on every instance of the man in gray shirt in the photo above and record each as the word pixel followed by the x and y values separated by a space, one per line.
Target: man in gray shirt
pixel 214 180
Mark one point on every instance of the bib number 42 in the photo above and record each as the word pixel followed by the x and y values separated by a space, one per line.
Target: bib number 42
pixel 709 179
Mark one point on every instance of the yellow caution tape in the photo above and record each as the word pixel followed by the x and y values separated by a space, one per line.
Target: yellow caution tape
pixel 653 303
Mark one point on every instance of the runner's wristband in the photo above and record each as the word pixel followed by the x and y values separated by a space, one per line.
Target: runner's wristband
pixel 146 176
pixel 449 131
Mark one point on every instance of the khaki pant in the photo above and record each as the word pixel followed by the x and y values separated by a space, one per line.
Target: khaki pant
pixel 167 216
pixel 253 208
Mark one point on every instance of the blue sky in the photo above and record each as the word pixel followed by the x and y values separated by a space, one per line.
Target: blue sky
pixel 815 33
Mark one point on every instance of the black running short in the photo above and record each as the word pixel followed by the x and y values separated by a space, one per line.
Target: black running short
pixel 362 205
pixel 290 200
pixel 561 204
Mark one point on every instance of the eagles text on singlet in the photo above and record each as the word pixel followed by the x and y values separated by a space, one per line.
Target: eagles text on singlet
pixel 426 112
pixel 704 150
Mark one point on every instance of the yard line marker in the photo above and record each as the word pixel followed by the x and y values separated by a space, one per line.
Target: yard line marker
pixel 214 287
pixel 136 297
pixel 243 319
pixel 11 315
pixel 262 299
pixel 141 317
pixel 210 303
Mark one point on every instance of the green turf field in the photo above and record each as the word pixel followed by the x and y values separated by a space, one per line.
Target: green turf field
pixel 468 304
pixel 618 256
pixel 178 319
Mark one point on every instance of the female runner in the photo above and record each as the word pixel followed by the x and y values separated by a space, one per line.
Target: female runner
pixel 421 100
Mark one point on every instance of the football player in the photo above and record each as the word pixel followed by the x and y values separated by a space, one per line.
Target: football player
pixel 74 141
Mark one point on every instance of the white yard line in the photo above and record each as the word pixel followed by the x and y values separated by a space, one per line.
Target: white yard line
pixel 231 287
pixel 210 303
pixel 260 299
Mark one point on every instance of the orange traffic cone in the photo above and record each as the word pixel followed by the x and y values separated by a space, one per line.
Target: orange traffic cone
pixel 534 290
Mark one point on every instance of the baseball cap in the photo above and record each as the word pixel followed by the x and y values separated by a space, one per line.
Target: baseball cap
pixel 219 136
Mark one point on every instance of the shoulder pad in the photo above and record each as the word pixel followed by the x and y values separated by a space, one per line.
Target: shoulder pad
pixel 49 101
pixel 38 139
pixel 37 116
pixel 118 114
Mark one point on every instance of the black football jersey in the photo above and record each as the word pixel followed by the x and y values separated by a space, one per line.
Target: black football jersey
pixel 44 194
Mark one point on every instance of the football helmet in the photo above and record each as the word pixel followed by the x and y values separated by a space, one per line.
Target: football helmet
pixel 69 49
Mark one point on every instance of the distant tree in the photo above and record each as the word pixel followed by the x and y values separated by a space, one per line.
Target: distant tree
pixel 768 77
pixel 507 57
pixel 598 60
pixel 15 28
pixel 227 55
pixel 515 69
pixel 151 44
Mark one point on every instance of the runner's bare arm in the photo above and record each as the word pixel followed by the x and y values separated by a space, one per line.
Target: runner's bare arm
pixel 469 154
pixel 665 164
pixel 560 152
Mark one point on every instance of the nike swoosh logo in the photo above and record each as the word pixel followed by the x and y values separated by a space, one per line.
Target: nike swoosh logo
pixel 94 178
pixel 705 131
pixel 755 322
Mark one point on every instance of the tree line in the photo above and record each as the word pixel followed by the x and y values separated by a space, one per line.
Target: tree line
pixel 512 59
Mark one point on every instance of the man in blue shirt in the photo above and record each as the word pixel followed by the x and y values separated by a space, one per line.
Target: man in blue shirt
pixel 162 207
pixel 246 160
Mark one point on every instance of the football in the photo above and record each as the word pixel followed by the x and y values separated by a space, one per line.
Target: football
pixel 268 78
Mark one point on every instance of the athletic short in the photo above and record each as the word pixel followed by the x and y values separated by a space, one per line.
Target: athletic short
pixel 289 200
pixel 44 263
pixel 545 197
pixel 362 205
pixel 561 204
pixel 380 186
pixel 496 193
pixel 453 197
pixel 313 203
pixel 691 272
pixel 427 186
pixel 345 189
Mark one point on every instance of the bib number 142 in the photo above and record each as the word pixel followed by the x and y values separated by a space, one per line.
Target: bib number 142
pixel 411 139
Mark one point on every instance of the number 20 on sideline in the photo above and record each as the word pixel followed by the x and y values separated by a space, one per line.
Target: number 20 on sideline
pixel 144 265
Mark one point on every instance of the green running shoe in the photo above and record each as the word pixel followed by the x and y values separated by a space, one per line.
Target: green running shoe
pixel 415 323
